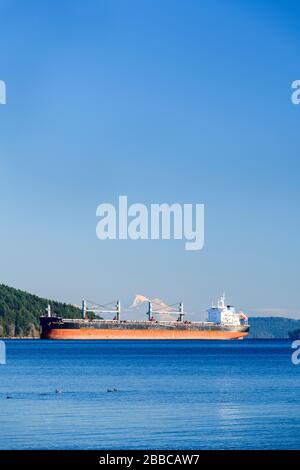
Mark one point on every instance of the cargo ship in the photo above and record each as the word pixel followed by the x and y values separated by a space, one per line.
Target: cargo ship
pixel 223 322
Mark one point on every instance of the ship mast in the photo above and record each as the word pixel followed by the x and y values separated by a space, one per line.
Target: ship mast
pixel 165 310
pixel 118 310
pixel 181 314
pixel 101 309
pixel 48 310
pixel 149 312
pixel 84 309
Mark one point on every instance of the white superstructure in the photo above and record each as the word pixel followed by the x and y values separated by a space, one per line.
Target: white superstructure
pixel 225 314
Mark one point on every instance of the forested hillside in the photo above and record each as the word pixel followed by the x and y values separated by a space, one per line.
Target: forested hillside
pixel 20 312
pixel 273 327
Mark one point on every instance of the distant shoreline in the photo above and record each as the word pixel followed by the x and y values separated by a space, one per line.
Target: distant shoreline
pixel 18 337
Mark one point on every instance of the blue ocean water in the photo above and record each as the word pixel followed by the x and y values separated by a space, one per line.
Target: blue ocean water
pixel 170 395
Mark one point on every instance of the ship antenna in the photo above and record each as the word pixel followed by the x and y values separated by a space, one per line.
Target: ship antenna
pixel 221 303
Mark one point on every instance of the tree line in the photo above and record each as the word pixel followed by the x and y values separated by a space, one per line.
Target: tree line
pixel 20 312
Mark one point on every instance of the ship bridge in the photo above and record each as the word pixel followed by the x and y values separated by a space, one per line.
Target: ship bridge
pixel 225 314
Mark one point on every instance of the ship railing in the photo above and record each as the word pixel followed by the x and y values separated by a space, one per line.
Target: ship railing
pixel 164 322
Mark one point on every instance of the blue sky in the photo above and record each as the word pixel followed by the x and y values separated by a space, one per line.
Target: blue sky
pixel 164 101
